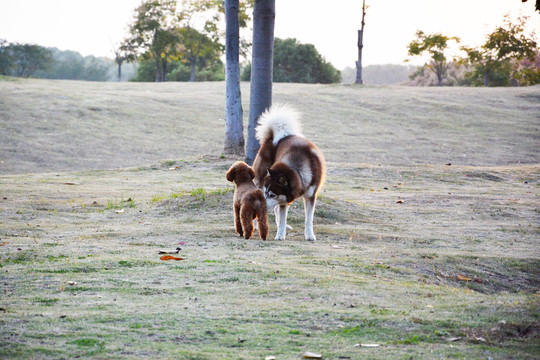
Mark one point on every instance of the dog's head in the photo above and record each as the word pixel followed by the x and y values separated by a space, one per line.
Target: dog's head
pixel 279 185
pixel 240 172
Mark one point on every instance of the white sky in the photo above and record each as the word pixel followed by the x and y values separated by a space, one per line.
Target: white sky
pixel 91 26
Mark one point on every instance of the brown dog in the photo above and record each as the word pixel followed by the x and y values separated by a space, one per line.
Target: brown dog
pixel 249 201
pixel 287 166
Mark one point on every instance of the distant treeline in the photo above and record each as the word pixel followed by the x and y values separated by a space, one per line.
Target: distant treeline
pixel 72 65
pixel 388 74
pixel 301 62
pixel 27 60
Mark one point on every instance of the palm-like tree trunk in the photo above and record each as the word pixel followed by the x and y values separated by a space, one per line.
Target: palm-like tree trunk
pixel 234 127
pixel 359 79
pixel 261 69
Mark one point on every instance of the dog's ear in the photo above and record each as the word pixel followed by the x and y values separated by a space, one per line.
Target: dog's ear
pixel 282 180
pixel 251 173
pixel 231 174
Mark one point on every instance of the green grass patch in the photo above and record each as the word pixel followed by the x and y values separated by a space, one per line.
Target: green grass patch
pixel 46 301
pixel 120 204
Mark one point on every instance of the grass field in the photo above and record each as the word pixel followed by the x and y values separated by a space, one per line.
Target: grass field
pixel 427 228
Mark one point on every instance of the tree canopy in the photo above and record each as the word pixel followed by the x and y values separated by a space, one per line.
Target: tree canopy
pixel 164 34
pixel 499 58
pixel 23 60
pixel 299 63
pixel 435 45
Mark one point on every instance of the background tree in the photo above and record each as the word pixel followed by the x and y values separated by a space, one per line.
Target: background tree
pixel 153 34
pixel 23 60
pixel 264 13
pixel 299 63
pixel 123 53
pixel 434 45
pixel 196 45
pixel 528 72
pixel 73 66
pixel 503 49
pixel 234 127
pixel 119 59
pixel 5 57
pixel 360 46
pixel 422 76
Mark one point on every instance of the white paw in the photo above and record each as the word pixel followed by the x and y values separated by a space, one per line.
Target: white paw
pixel 280 237
pixel 310 237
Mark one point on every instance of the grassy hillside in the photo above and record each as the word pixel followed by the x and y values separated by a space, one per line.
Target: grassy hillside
pixel 63 125
pixel 416 257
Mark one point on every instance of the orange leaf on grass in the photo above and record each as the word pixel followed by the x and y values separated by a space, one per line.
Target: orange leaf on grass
pixel 463 278
pixel 169 257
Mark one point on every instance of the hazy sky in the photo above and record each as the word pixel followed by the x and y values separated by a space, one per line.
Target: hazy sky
pixel 91 26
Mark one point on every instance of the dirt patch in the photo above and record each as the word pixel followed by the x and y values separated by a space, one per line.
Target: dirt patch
pixel 503 331
pixel 482 274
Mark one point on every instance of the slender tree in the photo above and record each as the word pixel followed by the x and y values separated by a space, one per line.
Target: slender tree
pixel 264 13
pixel 6 57
pixel 435 45
pixel 122 53
pixel 234 128
pixel 359 79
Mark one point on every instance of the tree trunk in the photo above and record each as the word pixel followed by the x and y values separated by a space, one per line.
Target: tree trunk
pixel 158 70
pixel 439 69
pixel 193 63
pixel 439 77
pixel 234 127
pixel 359 79
pixel 486 78
pixel 262 57
pixel 119 71
pixel 163 69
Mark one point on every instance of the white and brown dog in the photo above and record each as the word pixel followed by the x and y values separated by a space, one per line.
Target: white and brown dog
pixel 287 166
pixel 249 202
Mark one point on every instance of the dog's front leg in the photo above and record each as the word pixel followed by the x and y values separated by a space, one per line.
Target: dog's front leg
pixel 281 220
pixel 276 212
pixel 309 206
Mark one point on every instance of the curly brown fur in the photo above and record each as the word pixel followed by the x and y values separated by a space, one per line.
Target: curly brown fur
pixel 249 202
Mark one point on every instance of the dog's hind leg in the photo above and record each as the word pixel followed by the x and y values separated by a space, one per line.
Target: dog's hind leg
pixel 262 216
pixel 246 215
pixel 309 206
pixel 281 218
pixel 237 220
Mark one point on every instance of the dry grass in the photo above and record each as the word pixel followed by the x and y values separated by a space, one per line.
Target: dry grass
pixel 397 227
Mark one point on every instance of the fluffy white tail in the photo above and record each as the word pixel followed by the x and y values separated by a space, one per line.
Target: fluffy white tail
pixel 278 122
